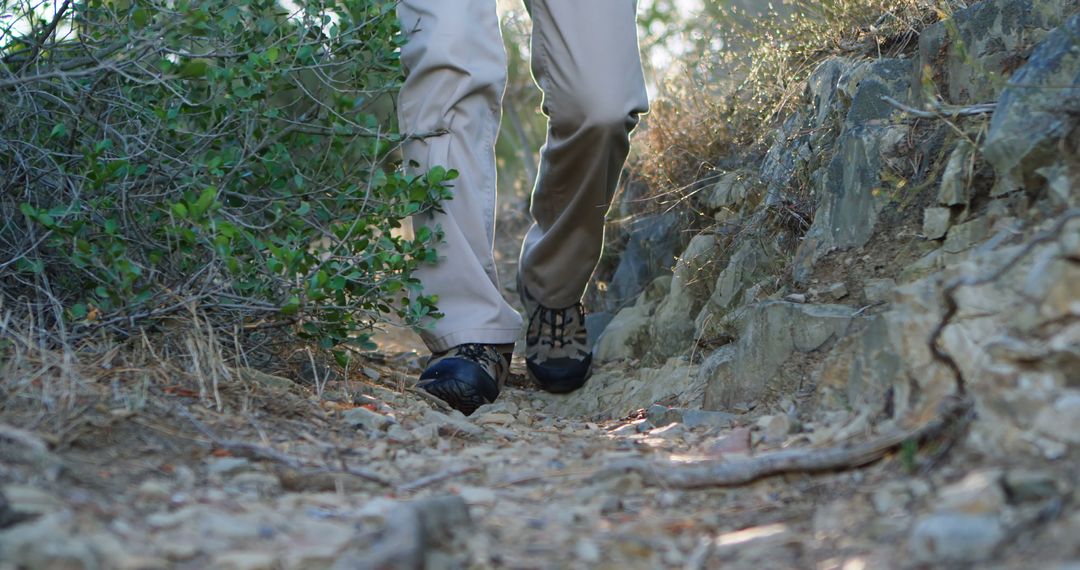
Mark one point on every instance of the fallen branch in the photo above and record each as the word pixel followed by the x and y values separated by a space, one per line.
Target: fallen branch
pixel 734 473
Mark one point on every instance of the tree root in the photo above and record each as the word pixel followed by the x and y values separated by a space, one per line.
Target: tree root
pixel 735 473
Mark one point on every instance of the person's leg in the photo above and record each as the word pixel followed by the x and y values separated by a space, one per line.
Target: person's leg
pixel 586 60
pixel 455 69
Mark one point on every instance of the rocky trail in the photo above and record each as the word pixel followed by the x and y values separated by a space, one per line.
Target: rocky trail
pixel 862 351
pixel 374 475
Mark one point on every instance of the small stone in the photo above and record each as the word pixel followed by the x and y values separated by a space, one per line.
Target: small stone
pixel 795 298
pixel 245 560
pixel 936 222
pixel 775 428
pixel 833 292
pixel 977 494
pixel 478 495
pixel 494 418
pixel 1061 421
pixel 662 415
pixel 670 431
pixel 1025 485
pixel 587 551
pixel 632 428
pixel 153 490
pixel 371 373
pixel 954 537
pixel 221 466
pixel 257 483
pixel 363 418
pixel 966 235
pixel 735 443
pixel 31 500
pixel 878 290
pixel 448 425
pixel 398 434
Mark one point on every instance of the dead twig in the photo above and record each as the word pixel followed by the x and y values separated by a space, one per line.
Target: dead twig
pixel 939 111
pixel 736 473
pixel 436 478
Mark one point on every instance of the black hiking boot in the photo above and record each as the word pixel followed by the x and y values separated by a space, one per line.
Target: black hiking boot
pixel 466 376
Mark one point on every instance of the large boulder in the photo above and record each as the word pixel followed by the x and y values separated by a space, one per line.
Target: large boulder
pixel 1037 116
pixel 652 245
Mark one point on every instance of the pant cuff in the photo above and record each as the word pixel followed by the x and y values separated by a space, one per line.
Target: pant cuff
pixel 504 336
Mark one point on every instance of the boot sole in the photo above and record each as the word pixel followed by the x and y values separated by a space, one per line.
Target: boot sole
pixel 459 394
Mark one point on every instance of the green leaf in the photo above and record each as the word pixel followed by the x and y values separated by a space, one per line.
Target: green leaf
pixel 195 68
pixel 291 307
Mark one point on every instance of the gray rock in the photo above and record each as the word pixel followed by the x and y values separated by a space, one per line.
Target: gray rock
pixel 1061 421
pixel 954 538
pixel 966 235
pixel 956 188
pixel 450 425
pixel 973 51
pixel 1024 485
pixel 770 333
pixel 595 323
pixel 833 292
pixel 730 191
pixel 1032 117
pixel 652 245
pixel 414 536
pixel 662 415
pixel 627 335
pixel 847 191
pixel 222 466
pixel 363 418
pixel 672 327
pixel 878 290
pixel 936 222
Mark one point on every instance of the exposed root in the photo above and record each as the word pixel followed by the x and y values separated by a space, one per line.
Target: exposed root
pixel 736 473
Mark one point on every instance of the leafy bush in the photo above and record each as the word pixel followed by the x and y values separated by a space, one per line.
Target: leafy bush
pixel 225 156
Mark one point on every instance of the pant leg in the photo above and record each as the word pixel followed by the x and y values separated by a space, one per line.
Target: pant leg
pixel 455 69
pixel 586 61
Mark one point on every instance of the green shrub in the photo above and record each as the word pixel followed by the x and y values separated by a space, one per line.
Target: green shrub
pixel 225 156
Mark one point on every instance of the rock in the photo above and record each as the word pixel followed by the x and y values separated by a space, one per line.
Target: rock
pixel 775 428
pixel 1028 125
pixel 627 335
pixel 28 500
pixel 595 324
pixel 47 542
pixel 729 192
pixel 974 49
pixel 847 187
pixel 1024 485
pixel 966 235
pixel 494 418
pixel 223 466
pixel 795 298
pixel 651 249
pixel 662 415
pixel 771 332
pixel 265 380
pixel 936 222
pixel 670 431
pixel 745 267
pixel 979 493
pixel 1061 421
pixel 367 420
pixel 833 292
pixel 672 326
pixel 245 560
pixel 878 290
pixel 956 188
pixel 413 536
pixel 955 538
pixel 154 490
pixel 256 483
pixel 735 443
pixel 478 495
pixel 451 425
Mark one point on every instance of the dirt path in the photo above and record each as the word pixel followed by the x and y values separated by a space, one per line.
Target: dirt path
pixel 374 475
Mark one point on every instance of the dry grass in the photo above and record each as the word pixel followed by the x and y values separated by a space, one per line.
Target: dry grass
pixel 749 73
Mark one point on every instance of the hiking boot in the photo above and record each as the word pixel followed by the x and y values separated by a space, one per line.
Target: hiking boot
pixel 466 376
pixel 556 345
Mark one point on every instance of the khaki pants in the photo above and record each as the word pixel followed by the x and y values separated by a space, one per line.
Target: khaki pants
pixel 585 59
